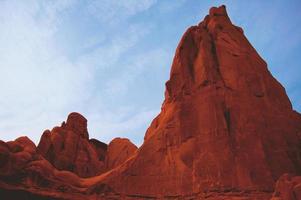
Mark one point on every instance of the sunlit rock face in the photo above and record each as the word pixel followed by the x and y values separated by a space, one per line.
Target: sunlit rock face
pixel 225 124
pixel 119 150
pixel 68 148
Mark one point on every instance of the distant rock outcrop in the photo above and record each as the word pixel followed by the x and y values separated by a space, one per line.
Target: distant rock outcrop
pixel 119 150
pixel 68 148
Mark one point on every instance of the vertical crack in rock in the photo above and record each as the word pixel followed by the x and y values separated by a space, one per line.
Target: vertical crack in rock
pixel 215 59
pixel 227 119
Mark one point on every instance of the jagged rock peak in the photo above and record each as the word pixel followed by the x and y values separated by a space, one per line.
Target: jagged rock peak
pixel 67 147
pixel 197 61
pixel 78 124
pixel 218 11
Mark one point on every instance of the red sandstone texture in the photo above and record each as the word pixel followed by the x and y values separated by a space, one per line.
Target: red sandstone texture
pixel 288 187
pixel 25 174
pixel 68 148
pixel 53 170
pixel 100 147
pixel 119 150
pixel 14 155
pixel 226 130
pixel 226 124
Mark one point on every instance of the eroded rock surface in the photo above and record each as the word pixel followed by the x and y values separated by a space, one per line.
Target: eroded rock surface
pixel 68 148
pixel 25 174
pixel 15 155
pixel 225 124
pixel 119 150
pixel 288 187
pixel 100 147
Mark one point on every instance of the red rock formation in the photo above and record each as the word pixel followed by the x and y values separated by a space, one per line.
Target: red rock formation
pixel 78 124
pixel 15 155
pixel 100 147
pixel 119 150
pixel 226 124
pixel 226 131
pixel 68 148
pixel 25 174
pixel 288 187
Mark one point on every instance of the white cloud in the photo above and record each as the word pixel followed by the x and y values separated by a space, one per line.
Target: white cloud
pixel 106 55
pixel 40 84
pixel 170 5
pixel 37 82
pixel 134 67
pixel 112 12
pixel 106 121
pixel 123 123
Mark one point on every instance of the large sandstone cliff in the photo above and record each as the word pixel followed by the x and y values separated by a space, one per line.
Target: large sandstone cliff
pixel 226 124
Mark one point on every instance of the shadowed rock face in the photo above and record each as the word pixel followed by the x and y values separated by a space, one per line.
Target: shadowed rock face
pixel 68 148
pixel 15 155
pixel 100 147
pixel 225 124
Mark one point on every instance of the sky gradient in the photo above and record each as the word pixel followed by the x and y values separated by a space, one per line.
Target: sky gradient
pixel 109 60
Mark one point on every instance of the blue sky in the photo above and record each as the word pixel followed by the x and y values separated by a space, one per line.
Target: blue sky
pixel 109 59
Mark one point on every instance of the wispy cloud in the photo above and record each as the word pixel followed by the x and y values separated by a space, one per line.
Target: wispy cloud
pixel 123 123
pixel 169 5
pixel 107 54
pixel 39 82
pixel 112 12
pixel 134 67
